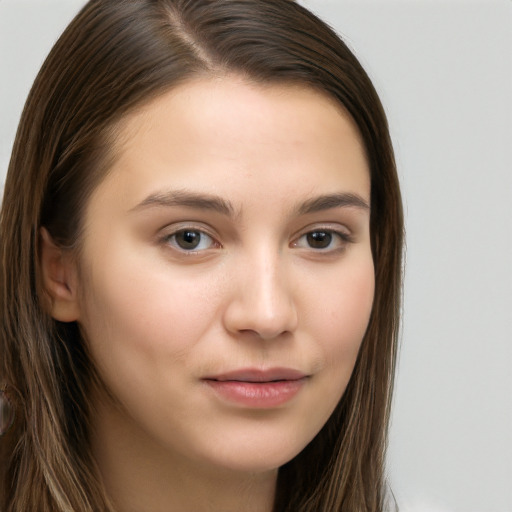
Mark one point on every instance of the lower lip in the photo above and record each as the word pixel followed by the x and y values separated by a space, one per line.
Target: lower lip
pixel 259 395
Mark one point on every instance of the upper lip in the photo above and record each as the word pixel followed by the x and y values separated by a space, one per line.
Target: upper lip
pixel 257 375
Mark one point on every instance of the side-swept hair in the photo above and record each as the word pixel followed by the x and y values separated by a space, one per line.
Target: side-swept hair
pixel 115 56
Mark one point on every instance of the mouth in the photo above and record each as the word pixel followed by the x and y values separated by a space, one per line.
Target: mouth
pixel 259 376
pixel 259 389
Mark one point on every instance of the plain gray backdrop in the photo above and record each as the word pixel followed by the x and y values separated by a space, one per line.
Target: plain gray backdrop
pixel 444 73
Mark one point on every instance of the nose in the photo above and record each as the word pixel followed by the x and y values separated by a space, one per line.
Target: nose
pixel 262 301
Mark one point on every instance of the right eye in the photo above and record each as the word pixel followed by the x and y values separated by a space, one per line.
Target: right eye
pixel 190 240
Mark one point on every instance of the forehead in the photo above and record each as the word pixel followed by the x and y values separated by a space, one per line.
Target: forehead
pixel 218 134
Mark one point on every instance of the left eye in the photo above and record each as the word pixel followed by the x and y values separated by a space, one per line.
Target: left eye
pixel 321 239
pixel 190 240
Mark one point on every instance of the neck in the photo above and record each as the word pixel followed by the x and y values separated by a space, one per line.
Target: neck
pixel 141 475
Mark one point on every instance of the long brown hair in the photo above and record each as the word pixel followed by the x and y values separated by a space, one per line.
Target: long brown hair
pixel 112 58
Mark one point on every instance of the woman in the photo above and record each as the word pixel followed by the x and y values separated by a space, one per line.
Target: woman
pixel 201 256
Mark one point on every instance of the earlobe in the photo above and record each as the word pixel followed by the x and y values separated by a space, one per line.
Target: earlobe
pixel 59 279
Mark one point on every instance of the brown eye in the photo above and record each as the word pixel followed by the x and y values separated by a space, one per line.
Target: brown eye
pixel 322 240
pixel 319 239
pixel 190 240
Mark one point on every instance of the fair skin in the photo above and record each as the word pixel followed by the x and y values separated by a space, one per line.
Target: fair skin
pixel 228 247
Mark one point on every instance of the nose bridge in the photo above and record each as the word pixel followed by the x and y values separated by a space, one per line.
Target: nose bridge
pixel 263 300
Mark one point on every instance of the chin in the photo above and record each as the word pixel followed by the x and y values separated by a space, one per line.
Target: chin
pixel 257 454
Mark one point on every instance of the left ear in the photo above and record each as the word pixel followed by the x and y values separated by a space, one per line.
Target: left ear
pixel 59 279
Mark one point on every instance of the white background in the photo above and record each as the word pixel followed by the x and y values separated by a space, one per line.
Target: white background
pixel 444 72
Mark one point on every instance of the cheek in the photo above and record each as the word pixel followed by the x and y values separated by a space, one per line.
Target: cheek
pixel 340 319
pixel 343 306
pixel 138 318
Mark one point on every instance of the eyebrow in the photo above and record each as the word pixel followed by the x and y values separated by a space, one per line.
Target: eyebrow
pixel 331 201
pixel 188 199
pixel 217 204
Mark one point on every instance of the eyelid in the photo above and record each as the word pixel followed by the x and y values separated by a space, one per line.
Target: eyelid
pixel 341 232
pixel 172 230
pixel 334 227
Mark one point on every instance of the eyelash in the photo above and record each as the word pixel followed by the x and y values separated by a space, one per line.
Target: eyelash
pixel 332 236
pixel 171 240
pixel 342 239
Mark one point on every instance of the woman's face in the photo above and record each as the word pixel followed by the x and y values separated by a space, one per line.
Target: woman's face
pixel 226 279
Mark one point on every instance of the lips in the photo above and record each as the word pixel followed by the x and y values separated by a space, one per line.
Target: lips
pixel 259 389
pixel 253 375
